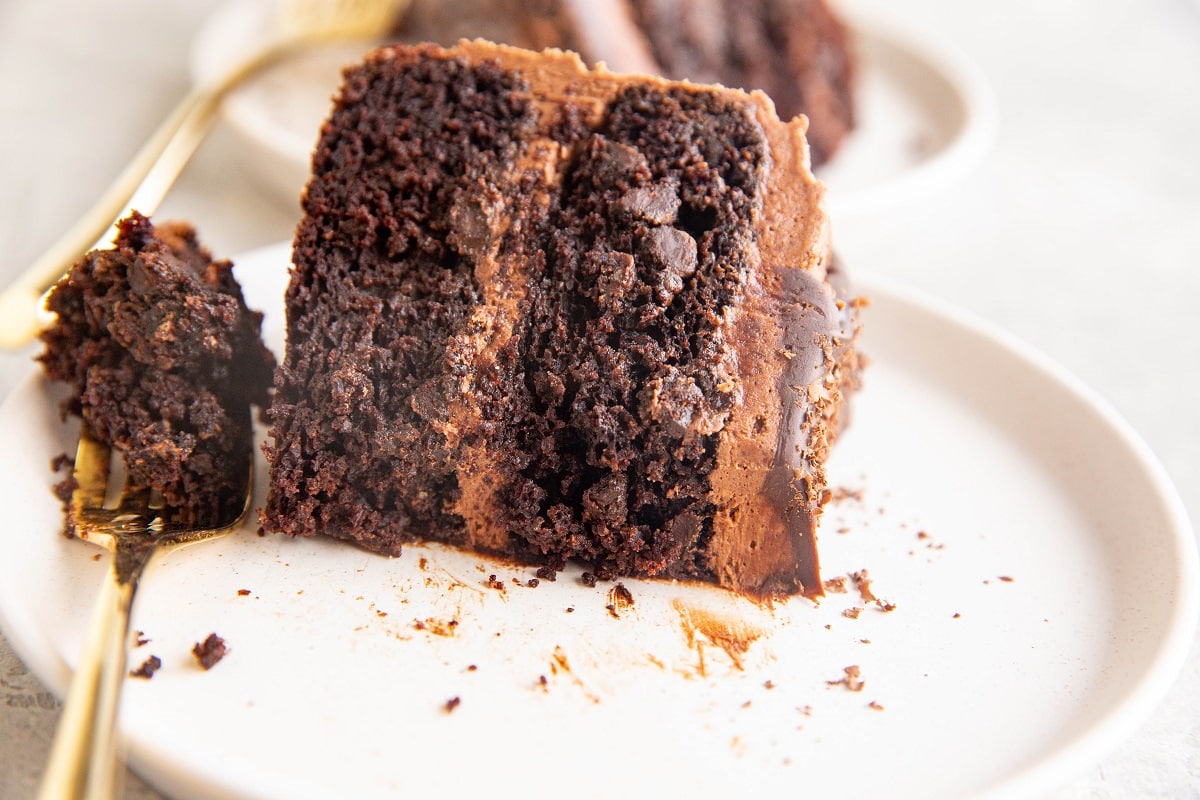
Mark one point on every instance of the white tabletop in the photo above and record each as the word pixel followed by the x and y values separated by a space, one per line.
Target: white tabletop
pixel 1079 232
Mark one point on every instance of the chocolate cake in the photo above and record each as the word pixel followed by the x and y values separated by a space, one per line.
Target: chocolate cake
pixel 797 51
pixel 552 313
pixel 163 359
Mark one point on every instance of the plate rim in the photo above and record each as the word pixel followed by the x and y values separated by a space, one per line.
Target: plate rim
pixel 1132 709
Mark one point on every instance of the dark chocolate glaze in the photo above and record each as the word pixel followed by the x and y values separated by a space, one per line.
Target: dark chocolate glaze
pixel 810 324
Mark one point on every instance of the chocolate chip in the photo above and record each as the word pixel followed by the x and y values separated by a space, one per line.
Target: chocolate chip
pixel 616 164
pixel 657 204
pixel 472 224
pixel 674 252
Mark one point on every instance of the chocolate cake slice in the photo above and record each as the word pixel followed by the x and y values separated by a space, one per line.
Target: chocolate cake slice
pixel 798 51
pixel 163 359
pixel 551 313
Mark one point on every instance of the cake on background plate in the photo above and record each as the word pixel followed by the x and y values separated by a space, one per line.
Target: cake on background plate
pixel 553 313
pixel 798 51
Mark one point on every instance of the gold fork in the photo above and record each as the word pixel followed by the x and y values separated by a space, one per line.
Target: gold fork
pixel 142 185
pixel 83 758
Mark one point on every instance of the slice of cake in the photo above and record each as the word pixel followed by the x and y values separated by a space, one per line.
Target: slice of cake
pixel 163 359
pixel 551 313
pixel 798 51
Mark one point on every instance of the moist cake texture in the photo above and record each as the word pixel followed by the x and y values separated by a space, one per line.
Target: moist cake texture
pixel 163 359
pixel 552 313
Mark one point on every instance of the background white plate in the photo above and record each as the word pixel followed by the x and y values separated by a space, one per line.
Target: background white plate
pixel 925 115
pixel 1043 572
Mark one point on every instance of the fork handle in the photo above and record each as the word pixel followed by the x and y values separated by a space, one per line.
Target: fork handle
pixel 142 185
pixel 83 758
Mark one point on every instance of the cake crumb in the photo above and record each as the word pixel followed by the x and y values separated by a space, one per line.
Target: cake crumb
pixel 841 493
pixel 210 651
pixel 852 613
pixel 150 666
pixel 547 574
pixel 453 703
pixel 874 706
pixel 862 582
pixel 497 584
pixel 619 599
pixel 139 639
pixel 852 679
pixel 65 489
pixel 836 585
pixel 436 626
pixel 243 592
pixel 588 578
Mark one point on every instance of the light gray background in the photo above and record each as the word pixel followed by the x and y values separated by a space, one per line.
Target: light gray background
pixel 1080 233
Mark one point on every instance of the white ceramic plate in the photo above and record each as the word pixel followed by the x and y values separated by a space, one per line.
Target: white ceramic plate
pixel 1042 569
pixel 925 115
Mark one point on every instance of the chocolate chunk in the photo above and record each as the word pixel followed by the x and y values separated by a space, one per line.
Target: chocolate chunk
pixel 674 253
pixel 617 165
pixel 473 216
pixel 657 204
